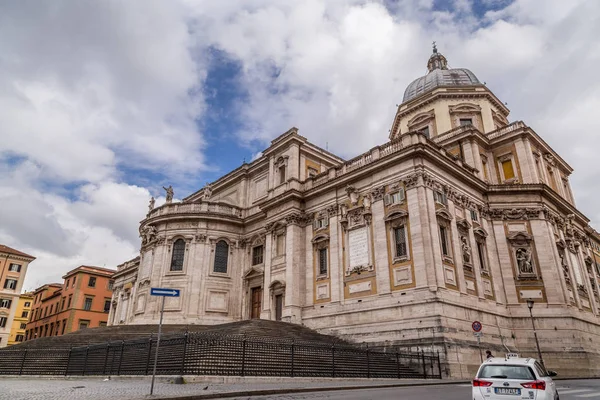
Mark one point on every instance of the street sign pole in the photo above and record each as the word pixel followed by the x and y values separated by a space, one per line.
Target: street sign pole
pixel 477 327
pixel 162 309
pixel 479 345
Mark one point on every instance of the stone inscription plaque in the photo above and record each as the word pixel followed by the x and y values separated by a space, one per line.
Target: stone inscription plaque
pixel 359 247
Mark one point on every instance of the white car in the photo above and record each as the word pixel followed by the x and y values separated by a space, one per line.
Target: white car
pixel 515 378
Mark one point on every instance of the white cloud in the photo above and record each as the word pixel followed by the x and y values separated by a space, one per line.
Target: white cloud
pixel 88 89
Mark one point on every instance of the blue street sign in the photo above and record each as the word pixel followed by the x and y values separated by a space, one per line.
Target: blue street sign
pixel 164 292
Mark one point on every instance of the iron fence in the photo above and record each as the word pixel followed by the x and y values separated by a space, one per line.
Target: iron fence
pixel 209 354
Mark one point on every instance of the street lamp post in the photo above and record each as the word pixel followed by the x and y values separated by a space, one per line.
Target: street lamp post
pixel 537 343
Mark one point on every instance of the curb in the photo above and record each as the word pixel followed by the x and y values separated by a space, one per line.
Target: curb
pixel 269 392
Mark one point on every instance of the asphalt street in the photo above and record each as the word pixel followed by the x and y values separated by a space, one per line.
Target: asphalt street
pixel 568 390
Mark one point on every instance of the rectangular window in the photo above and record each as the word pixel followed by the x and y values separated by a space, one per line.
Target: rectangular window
pixel 67 284
pixel 444 239
pixel 92 282
pixel 3 322
pixel 425 131
pixel 323 261
pixel 440 197
pixel 507 169
pixel 51 308
pixel 395 197
pixel 400 241
pixel 106 306
pixel 14 268
pixel 5 303
pixel 87 305
pixel 74 279
pixel 10 284
pixel 83 324
pixel 282 174
pixel 111 284
pixel 23 325
pixel 257 255
pixel 19 338
pixel 25 314
pixel 321 223
pixel 481 254
pixel 473 215
pixel 64 326
pixel 69 301
pixel 102 323
pixel 27 304
pixel 280 245
pixel 466 121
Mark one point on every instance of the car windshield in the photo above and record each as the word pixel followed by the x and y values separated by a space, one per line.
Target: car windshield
pixel 507 372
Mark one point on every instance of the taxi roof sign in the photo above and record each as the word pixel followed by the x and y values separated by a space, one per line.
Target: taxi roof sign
pixel 511 355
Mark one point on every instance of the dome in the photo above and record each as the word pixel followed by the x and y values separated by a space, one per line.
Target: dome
pixel 439 75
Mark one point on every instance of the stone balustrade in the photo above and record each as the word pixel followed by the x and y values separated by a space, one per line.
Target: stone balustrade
pixel 506 129
pixel 196 208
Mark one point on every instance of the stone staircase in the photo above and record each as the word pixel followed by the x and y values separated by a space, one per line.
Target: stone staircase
pixel 251 328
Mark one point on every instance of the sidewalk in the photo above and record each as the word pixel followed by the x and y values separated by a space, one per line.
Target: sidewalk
pixel 137 388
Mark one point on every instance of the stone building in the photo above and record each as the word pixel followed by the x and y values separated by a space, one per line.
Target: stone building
pixel 13 268
pixel 460 216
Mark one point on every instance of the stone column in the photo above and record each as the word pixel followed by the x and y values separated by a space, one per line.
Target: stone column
pixel 467 150
pixel 505 255
pixel 294 284
pixel 526 163
pixel 550 267
pixel 421 240
pixel 431 239
pixel 493 257
pixel 457 250
pixel 268 256
pixel 309 265
pixel 380 248
pixel 335 249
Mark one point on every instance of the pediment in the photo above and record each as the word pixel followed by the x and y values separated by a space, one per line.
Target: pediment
pixel 463 224
pixel 277 284
pixel 254 272
pixel 480 232
pixel 396 214
pixel 465 107
pixel 520 237
pixel 322 237
pixel 443 213
pixel 422 117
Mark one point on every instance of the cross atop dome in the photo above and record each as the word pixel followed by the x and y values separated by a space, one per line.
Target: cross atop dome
pixel 437 60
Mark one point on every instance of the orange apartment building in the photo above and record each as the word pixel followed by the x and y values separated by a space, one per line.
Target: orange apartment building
pixel 13 267
pixel 82 301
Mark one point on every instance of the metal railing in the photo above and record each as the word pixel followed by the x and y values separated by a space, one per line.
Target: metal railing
pixel 209 354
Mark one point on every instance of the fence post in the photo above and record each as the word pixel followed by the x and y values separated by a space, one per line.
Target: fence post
pixel 244 355
pixel 424 366
pixel 87 349
pixel 68 361
pixel 333 361
pixel 106 358
pixel 398 363
pixel 121 357
pixel 293 350
pixel 149 356
pixel 368 363
pixel 23 362
pixel 185 341
pixel 439 364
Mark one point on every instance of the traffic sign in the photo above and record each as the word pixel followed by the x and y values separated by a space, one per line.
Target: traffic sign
pixel 164 292
pixel 477 326
pixel 478 334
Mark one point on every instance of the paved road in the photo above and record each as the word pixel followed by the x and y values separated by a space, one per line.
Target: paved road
pixel 568 390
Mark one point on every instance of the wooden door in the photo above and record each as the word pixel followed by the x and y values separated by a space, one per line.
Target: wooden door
pixel 256 305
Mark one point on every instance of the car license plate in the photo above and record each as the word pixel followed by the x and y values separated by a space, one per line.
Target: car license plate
pixel 509 391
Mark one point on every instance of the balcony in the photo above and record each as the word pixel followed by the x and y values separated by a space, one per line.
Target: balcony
pixel 195 208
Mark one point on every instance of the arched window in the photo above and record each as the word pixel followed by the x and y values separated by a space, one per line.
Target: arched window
pixel 177 255
pixel 221 256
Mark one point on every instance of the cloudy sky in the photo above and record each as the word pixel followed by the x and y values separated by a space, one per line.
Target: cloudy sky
pixel 104 102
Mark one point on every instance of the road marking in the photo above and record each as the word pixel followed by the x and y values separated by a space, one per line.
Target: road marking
pixel 596 394
pixel 573 391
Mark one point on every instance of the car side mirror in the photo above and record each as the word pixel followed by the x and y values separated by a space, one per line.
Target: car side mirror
pixel 552 373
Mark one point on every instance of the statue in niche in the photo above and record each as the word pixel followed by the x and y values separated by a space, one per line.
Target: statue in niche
pixel 524 260
pixel 170 194
pixel 352 194
pixel 344 209
pixel 151 204
pixel 466 250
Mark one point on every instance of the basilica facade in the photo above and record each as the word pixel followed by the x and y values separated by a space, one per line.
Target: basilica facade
pixel 461 216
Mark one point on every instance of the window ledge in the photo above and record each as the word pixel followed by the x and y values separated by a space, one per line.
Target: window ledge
pixel 402 259
pixel 448 259
pixel 175 273
pixel 221 274
pixel 322 277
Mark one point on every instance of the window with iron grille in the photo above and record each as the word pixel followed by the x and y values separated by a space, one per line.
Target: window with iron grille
pixel 473 215
pixel 323 261
pixel 177 255
pixel 5 303
pixel 23 325
pixel 440 197
pixel 257 255
pixel 25 314
pixel 221 256
pixel 400 241
pixel 92 282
